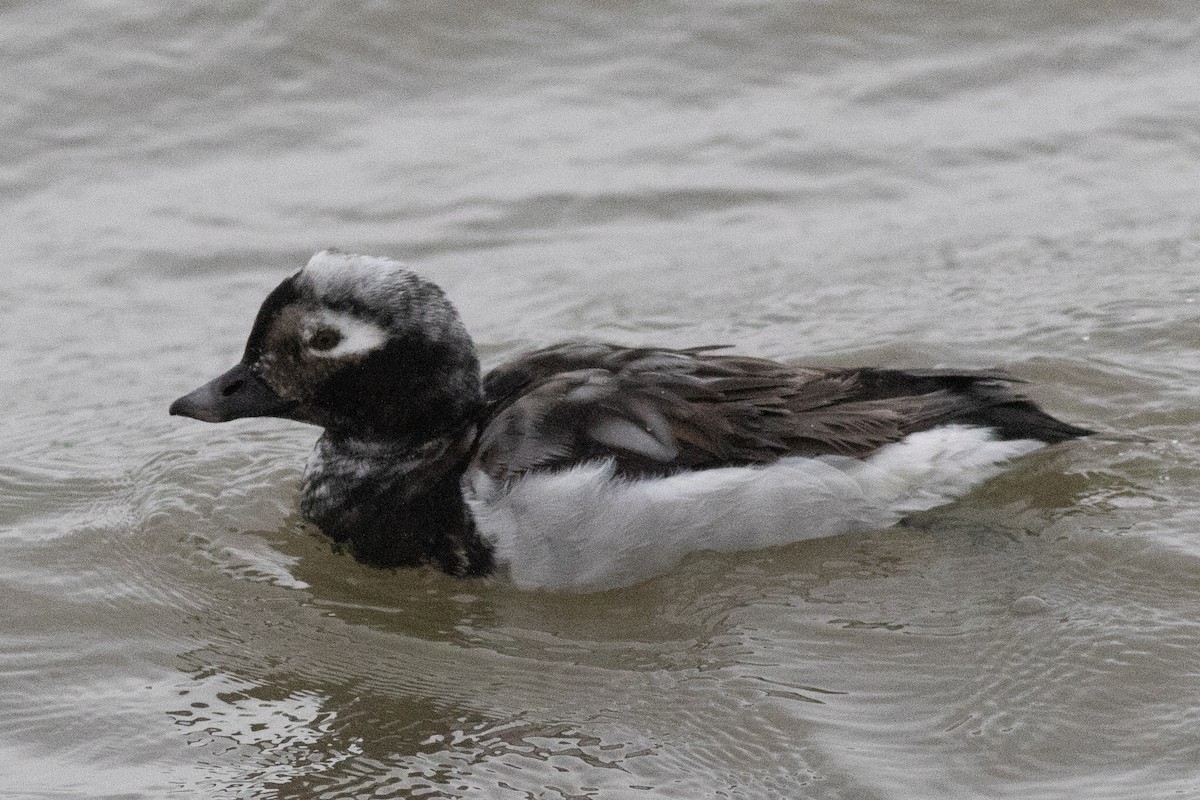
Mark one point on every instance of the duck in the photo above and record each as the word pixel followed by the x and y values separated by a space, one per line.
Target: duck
pixel 587 465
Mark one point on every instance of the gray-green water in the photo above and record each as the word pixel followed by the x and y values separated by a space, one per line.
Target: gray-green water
pixel 919 183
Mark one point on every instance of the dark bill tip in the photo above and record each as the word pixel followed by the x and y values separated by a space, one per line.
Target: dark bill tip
pixel 236 394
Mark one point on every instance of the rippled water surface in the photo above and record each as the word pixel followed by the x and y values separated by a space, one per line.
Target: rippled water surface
pixel 918 184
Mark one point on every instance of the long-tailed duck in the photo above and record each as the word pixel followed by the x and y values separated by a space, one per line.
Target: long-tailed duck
pixel 587 465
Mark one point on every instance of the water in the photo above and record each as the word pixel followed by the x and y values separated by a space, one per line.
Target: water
pixel 917 184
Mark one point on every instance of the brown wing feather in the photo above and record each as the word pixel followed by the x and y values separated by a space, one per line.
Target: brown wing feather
pixel 658 411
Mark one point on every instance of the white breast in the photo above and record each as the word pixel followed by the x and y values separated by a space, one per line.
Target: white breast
pixel 585 530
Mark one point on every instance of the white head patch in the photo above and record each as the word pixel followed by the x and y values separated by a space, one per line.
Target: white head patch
pixel 370 276
pixel 353 337
pixel 388 293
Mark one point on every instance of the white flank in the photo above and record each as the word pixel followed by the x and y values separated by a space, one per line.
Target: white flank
pixel 584 530
pixel 359 336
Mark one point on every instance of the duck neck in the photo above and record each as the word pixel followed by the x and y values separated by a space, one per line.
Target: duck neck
pixel 397 504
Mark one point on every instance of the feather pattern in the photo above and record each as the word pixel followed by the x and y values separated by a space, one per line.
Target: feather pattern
pixel 659 411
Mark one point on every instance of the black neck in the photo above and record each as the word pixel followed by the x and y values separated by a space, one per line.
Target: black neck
pixel 395 505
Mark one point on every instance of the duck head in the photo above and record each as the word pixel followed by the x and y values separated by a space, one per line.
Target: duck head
pixel 358 345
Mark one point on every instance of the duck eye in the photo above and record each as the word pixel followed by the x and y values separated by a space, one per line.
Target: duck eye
pixel 324 339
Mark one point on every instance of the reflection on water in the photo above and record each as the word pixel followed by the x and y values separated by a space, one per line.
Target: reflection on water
pixel 847 183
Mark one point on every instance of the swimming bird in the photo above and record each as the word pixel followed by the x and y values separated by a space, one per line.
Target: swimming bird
pixel 587 465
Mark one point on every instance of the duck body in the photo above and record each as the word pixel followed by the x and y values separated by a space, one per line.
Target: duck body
pixel 588 465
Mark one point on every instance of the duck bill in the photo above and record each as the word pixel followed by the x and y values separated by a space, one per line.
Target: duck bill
pixel 236 394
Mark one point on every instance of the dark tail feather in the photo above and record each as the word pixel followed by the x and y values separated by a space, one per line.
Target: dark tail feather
pixel 1021 419
pixel 990 399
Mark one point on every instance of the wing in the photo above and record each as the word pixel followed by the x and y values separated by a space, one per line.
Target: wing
pixel 658 411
